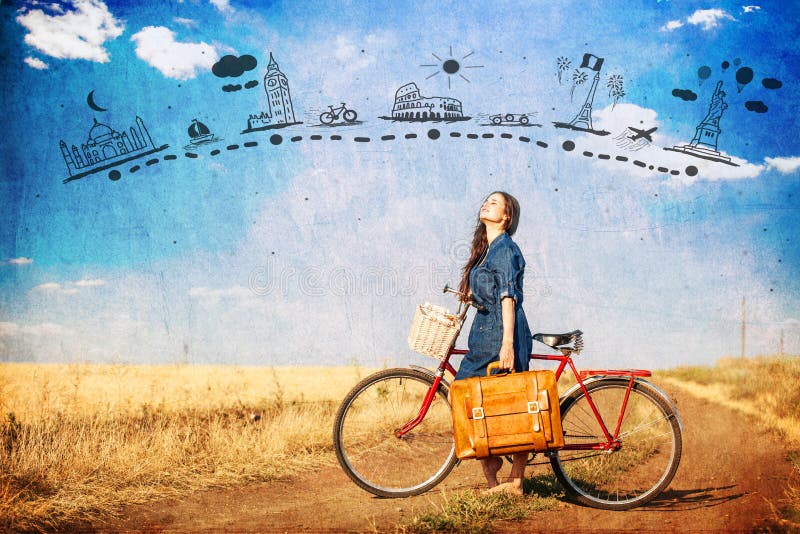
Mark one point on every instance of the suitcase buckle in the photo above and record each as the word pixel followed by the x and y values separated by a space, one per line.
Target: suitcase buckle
pixel 533 407
pixel 477 413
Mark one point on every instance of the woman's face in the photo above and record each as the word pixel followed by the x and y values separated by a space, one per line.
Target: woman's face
pixel 494 210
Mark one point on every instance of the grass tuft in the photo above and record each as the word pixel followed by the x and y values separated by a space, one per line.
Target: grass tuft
pixel 473 512
pixel 792 509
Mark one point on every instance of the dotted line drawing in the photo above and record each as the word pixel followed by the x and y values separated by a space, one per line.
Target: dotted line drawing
pixel 432 134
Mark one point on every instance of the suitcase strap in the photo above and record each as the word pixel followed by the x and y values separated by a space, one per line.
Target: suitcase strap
pixel 535 409
pixel 478 436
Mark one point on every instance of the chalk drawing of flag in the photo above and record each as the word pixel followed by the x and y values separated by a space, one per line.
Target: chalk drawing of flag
pixel 590 61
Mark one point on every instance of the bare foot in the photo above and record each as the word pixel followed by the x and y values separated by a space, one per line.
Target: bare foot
pixel 514 487
pixel 491 466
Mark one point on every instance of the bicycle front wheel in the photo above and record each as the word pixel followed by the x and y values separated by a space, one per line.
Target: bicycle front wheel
pixel 370 452
pixel 649 451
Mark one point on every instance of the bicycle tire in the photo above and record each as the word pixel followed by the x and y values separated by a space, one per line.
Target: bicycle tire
pixel 350 115
pixel 326 117
pixel 650 452
pixel 364 434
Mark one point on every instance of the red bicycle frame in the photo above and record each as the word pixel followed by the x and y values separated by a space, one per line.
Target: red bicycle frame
pixel 611 438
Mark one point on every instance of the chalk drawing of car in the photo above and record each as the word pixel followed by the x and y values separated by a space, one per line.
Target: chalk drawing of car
pixel 520 118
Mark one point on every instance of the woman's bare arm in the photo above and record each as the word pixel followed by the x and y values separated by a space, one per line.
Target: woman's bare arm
pixel 507 347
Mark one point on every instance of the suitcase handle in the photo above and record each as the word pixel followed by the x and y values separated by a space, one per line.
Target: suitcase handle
pixel 495 366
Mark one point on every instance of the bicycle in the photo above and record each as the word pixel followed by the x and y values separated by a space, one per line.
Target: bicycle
pixel 393 431
pixel 327 117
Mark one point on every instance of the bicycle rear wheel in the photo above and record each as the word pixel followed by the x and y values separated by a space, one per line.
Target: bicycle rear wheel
pixel 326 117
pixel 365 441
pixel 650 438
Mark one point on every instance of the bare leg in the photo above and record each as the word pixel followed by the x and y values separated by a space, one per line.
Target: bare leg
pixel 513 483
pixel 491 466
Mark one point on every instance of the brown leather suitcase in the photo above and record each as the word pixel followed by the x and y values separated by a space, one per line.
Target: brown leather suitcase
pixel 507 413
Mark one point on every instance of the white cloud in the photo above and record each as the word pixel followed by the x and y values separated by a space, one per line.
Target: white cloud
pixel 784 165
pixel 157 46
pixel 20 261
pixel 223 6
pixel 751 9
pixel 48 286
pixel 715 171
pixel 90 283
pixel 672 25
pixel 53 6
pixel 35 62
pixel 189 23
pixel 223 48
pixel 68 288
pixel 709 19
pixel 77 34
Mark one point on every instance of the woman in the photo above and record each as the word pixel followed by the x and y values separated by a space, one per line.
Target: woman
pixel 492 279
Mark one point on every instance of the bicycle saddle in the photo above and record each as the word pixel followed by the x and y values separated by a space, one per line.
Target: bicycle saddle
pixel 558 340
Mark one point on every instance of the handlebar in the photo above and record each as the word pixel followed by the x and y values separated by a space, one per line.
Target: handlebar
pixel 448 289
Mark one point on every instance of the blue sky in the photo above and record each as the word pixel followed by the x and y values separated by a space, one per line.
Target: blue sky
pixel 315 252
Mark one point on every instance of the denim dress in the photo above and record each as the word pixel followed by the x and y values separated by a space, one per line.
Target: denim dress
pixel 499 275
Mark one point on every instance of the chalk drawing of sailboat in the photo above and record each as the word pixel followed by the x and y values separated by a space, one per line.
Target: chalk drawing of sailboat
pixel 199 133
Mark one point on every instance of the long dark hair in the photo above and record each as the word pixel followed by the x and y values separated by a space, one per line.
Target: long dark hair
pixel 479 241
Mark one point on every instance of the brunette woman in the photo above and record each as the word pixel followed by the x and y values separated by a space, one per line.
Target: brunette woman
pixel 492 278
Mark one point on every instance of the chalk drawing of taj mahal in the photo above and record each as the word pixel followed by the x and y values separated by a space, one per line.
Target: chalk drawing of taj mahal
pixel 106 147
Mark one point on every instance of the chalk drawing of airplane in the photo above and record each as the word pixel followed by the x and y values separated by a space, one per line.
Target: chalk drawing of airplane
pixel 641 134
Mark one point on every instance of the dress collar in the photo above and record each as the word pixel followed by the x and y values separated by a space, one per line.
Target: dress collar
pixel 501 237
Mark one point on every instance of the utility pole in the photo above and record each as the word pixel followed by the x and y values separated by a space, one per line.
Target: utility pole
pixel 781 352
pixel 743 328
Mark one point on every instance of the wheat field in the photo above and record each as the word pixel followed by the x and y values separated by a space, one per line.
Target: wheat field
pixel 79 441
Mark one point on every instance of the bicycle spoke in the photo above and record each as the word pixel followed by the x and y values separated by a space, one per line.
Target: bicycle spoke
pixel 642 427
pixel 365 434
pixel 639 466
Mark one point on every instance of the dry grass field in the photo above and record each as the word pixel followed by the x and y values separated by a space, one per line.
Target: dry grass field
pixel 766 388
pixel 78 441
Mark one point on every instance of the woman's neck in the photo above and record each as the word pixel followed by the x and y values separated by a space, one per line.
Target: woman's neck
pixel 492 231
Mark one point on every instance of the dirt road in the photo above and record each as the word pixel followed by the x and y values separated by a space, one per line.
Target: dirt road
pixel 732 473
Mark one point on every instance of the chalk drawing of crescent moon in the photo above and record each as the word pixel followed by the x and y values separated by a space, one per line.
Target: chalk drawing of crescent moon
pixel 92 103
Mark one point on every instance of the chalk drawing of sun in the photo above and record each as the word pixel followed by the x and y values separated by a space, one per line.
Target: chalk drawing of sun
pixel 451 66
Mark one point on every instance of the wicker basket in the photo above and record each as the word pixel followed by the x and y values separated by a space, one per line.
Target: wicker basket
pixel 433 331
